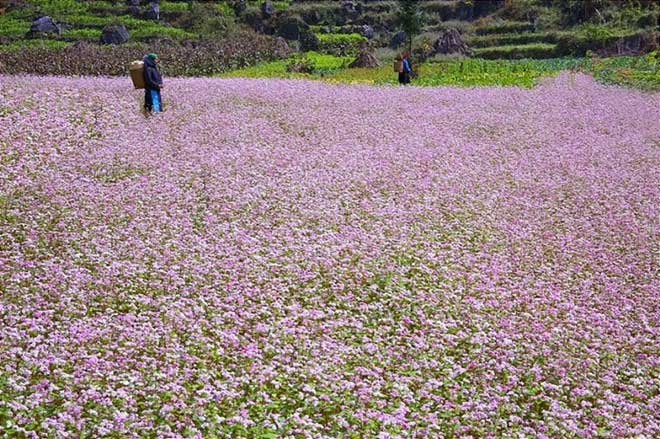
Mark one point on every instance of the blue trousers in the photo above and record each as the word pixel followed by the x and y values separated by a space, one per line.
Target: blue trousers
pixel 152 100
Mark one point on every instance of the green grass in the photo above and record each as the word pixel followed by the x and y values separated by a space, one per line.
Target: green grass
pixel 506 27
pixel 324 65
pixel 173 6
pixel 11 27
pixel 511 39
pixel 22 44
pixel 642 72
pixel 340 38
pixel 340 44
pixel 59 8
pixel 82 34
pixel 153 30
pixel 466 72
pixel 535 50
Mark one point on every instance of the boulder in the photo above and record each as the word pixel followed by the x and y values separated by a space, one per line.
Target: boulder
pixel 133 11
pixel 634 44
pixel 239 7
pixel 267 9
pixel 291 28
pixel 114 34
pixel 367 31
pixel 255 20
pixel 350 9
pixel 450 41
pixel 466 10
pixel 133 3
pixel 152 11
pixel 281 47
pixel 311 16
pixel 308 40
pixel 44 24
pixel 365 59
pixel 398 39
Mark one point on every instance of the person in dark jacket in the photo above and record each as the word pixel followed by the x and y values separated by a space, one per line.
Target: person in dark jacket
pixel 153 82
pixel 404 73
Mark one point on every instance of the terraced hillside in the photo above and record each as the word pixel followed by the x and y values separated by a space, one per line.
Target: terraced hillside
pixel 493 29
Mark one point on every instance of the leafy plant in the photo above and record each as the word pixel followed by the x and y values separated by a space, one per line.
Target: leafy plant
pixel 411 19
pixel 340 44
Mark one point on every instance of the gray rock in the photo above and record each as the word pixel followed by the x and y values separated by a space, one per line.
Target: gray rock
pixel 133 3
pixel 312 16
pixel 114 34
pixel 267 9
pixel 152 12
pixel 133 11
pixel 308 40
pixel 450 41
pixel 240 7
pixel 367 31
pixel 44 24
pixel 291 28
pixel 398 39
pixel 281 47
pixel 365 59
pixel 348 7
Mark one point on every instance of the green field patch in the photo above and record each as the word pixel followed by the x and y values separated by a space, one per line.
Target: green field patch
pixel 535 50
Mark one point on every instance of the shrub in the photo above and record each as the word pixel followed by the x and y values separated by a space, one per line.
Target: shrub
pixel 340 44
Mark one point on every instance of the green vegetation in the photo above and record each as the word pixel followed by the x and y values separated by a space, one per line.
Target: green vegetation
pixel 173 6
pixel 640 72
pixel 527 36
pixel 506 27
pixel 340 44
pixel 536 50
pixel 34 43
pixel 461 72
pixel 12 27
pixel 512 39
pixel 321 66
pixel 82 34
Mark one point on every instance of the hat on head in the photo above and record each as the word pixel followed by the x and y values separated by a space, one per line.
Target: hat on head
pixel 152 55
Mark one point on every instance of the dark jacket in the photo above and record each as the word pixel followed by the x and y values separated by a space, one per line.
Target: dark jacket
pixel 152 78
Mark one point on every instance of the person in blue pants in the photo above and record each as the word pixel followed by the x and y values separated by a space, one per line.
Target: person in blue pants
pixel 404 74
pixel 153 83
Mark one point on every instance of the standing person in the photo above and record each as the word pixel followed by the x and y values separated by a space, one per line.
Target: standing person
pixel 404 76
pixel 153 82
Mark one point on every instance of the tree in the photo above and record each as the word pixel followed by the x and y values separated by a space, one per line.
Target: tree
pixel 411 19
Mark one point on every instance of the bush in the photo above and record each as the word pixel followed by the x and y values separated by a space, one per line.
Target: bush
pixel 340 44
